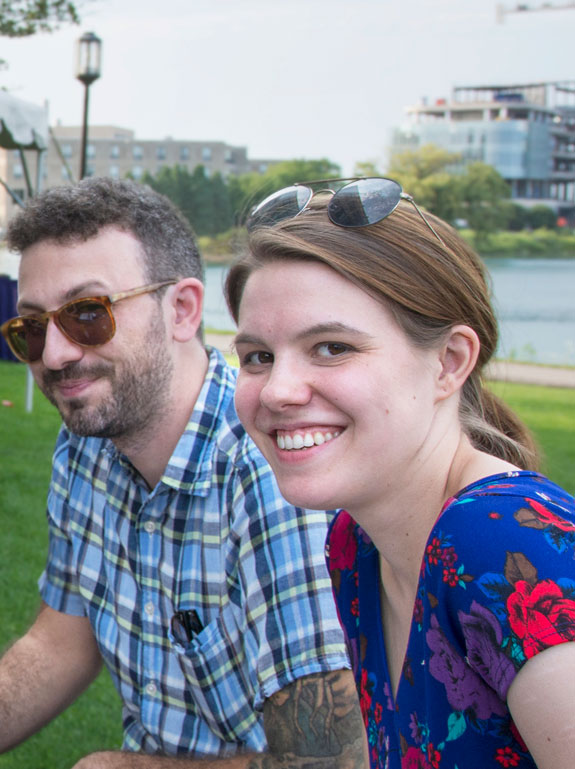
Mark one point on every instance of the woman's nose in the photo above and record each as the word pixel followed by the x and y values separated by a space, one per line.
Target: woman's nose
pixel 286 385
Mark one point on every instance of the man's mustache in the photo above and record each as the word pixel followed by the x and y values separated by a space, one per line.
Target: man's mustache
pixel 76 371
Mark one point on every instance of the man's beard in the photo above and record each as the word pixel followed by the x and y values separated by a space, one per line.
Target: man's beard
pixel 139 390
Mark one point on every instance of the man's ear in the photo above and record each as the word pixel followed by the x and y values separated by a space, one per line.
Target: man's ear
pixel 458 356
pixel 187 301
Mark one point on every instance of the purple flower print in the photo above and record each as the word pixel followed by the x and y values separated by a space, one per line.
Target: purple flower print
pixel 483 636
pixel 464 688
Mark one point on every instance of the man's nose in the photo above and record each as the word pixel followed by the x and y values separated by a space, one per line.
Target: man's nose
pixel 59 351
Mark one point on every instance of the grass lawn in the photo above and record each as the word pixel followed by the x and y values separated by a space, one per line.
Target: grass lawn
pixel 94 721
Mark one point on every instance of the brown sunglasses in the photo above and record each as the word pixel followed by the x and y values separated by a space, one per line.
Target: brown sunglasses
pixel 88 322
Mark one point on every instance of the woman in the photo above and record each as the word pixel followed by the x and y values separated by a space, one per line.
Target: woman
pixel 363 331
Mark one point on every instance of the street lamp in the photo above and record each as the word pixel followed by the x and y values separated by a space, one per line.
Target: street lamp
pixel 89 56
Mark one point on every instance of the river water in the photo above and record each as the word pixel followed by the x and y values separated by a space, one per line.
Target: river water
pixel 534 300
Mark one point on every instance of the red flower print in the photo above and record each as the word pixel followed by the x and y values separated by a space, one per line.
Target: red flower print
pixel 451 577
pixel 414 758
pixel 342 543
pixel 433 551
pixel 378 712
pixel 541 616
pixel 355 607
pixel 365 696
pixel 546 516
pixel 433 756
pixel 449 556
pixel 418 611
pixel 507 757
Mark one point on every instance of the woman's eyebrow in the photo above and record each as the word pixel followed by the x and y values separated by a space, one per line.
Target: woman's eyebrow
pixel 315 330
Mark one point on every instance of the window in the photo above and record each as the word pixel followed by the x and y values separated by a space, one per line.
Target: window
pixel 17 170
pixel 137 152
pixel 184 153
pixel 206 153
pixel 90 151
pixel 66 150
pixel 160 153
pixel 114 172
pixel 137 172
pixel 114 151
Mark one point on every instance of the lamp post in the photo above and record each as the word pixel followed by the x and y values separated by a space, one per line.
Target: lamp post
pixel 89 56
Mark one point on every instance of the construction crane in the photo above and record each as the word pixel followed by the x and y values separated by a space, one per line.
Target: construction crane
pixel 503 10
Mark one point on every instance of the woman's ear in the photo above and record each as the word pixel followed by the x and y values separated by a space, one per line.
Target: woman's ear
pixel 186 309
pixel 458 356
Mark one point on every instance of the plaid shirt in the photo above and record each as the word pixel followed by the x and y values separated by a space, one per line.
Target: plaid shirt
pixel 214 535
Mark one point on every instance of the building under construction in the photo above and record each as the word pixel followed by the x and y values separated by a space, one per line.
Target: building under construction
pixel 526 132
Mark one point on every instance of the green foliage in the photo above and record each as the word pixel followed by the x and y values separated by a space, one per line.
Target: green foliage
pixel 439 183
pixel 541 216
pixel 539 243
pixel 415 165
pixel 214 205
pixel 21 18
pixel 203 200
pixel 481 189
pixel 513 217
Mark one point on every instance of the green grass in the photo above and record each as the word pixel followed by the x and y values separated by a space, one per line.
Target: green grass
pixel 550 413
pixel 94 721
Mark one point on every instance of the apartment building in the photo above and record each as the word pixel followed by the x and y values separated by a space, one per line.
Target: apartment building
pixel 526 132
pixel 112 151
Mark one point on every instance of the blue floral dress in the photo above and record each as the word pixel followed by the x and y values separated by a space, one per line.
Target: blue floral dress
pixel 497 586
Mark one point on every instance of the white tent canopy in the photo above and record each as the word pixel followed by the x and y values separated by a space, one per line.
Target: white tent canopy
pixel 23 125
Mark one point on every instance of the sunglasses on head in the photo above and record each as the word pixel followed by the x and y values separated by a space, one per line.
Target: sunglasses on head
pixel 88 322
pixel 358 203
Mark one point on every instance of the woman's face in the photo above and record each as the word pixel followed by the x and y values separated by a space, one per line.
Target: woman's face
pixel 338 400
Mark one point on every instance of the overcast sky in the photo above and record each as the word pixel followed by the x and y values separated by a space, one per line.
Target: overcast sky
pixel 286 78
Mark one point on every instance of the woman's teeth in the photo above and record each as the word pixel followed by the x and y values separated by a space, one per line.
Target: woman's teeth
pixel 299 441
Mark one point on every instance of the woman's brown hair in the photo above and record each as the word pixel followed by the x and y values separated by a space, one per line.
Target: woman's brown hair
pixel 429 287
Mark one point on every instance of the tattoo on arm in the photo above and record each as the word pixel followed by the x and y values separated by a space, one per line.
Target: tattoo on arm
pixel 314 723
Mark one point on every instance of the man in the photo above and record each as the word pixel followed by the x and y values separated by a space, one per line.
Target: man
pixel 172 556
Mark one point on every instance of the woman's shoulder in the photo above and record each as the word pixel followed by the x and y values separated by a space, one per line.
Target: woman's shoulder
pixel 519 520
pixel 513 490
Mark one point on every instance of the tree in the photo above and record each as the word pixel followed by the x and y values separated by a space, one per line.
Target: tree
pixel 513 216
pixel 21 18
pixel 421 163
pixel 203 200
pixel 541 216
pixel 424 173
pixel 482 189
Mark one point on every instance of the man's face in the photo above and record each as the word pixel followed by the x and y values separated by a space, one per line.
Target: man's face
pixel 117 390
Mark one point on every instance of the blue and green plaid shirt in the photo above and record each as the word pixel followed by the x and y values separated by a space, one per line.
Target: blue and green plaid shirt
pixel 214 535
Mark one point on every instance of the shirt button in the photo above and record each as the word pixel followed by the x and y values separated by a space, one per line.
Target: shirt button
pixel 149 608
pixel 151 688
pixel 150 527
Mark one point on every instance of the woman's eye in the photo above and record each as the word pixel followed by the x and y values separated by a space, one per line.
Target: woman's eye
pixel 332 349
pixel 257 358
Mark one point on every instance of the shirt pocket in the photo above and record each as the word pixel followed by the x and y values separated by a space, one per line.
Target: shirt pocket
pixel 221 682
